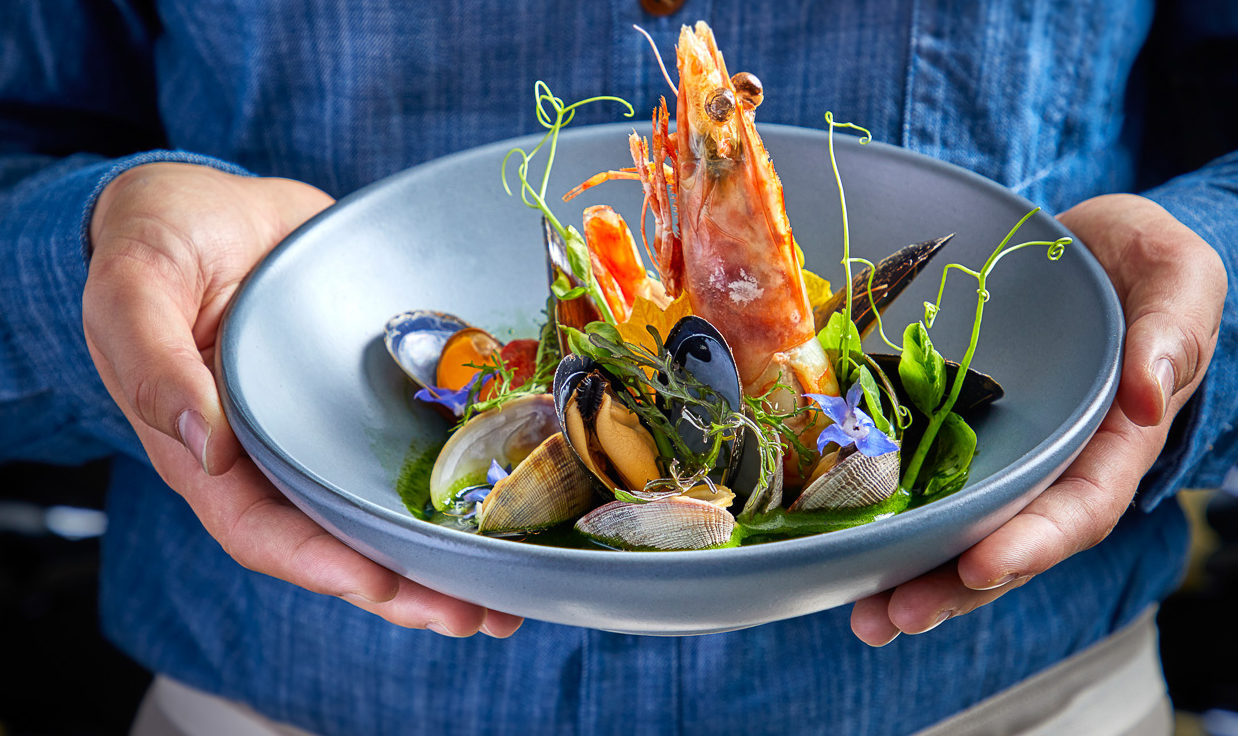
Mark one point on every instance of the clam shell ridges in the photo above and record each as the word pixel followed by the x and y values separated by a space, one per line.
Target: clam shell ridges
pixel 859 480
pixel 549 487
pixel 671 524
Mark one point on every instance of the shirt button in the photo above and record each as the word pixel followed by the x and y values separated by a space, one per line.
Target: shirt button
pixel 661 7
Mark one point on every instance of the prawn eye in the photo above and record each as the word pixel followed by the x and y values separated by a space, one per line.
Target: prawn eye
pixel 720 105
pixel 749 88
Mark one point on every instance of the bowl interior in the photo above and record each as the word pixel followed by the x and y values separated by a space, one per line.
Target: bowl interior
pixel 307 376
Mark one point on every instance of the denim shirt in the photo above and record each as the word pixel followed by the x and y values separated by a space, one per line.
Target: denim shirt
pixel 1040 95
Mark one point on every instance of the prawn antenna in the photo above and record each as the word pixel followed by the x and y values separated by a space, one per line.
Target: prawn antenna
pixel 658 56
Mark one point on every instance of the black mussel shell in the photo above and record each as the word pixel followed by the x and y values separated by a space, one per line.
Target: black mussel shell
pixel 415 340
pixel 699 349
pixel 893 274
pixel 571 371
pixel 978 389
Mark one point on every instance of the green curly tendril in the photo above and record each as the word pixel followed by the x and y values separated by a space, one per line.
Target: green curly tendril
pixel 1055 250
pixel 845 344
pixel 554 115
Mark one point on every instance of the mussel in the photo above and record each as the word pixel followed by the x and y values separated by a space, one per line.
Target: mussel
pixel 892 275
pixel 607 436
pixel 979 389
pixel 415 340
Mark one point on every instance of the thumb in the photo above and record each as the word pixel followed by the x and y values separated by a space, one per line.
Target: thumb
pixel 139 329
pixel 1172 285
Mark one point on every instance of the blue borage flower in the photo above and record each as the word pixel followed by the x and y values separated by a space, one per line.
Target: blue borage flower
pixel 851 425
pixel 453 400
pixel 496 472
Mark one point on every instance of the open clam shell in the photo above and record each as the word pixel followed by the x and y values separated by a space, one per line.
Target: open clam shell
pixel 548 487
pixel 675 523
pixel 855 481
pixel 507 435
pixel 415 340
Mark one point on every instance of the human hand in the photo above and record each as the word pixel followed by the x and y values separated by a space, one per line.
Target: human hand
pixel 171 243
pixel 1172 287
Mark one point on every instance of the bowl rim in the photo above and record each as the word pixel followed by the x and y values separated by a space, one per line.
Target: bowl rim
pixel 985 496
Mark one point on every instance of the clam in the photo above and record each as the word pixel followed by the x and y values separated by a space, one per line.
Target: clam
pixel 506 435
pixel 415 340
pixel 893 274
pixel 547 488
pixel 675 523
pixel 851 479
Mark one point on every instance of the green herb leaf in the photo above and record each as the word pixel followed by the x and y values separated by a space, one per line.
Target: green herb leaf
pixel 831 339
pixel 561 287
pixel 872 398
pixel 578 342
pixel 605 331
pixel 922 369
pixel 949 461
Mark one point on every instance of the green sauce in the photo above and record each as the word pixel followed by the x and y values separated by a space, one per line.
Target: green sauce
pixel 781 524
pixel 413 481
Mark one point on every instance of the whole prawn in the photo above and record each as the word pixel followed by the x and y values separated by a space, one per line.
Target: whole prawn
pixel 737 259
pixel 732 253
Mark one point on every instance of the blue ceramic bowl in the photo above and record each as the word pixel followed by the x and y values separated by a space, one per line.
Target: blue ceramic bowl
pixel 322 409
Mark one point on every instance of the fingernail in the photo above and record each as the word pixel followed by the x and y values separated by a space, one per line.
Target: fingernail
pixel 359 600
pixel 195 433
pixel 941 618
pixel 887 641
pixel 439 627
pixel 1164 370
pixel 999 583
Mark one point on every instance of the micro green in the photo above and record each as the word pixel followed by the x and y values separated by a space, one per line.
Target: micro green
pixel 939 415
pixel 554 115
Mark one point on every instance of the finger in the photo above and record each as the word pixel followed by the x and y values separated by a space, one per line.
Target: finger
pixel 932 599
pixel 418 607
pixel 870 620
pixel 1173 318
pixel 500 625
pixel 138 313
pixel 1075 513
pixel 260 529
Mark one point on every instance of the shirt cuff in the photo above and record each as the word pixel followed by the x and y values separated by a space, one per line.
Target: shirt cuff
pixel 1203 442
pixel 44 256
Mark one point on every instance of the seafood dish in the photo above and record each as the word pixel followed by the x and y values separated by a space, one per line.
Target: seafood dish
pixel 722 396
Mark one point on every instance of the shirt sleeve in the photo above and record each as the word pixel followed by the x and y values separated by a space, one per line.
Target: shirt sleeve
pixel 76 102
pixel 1203 444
